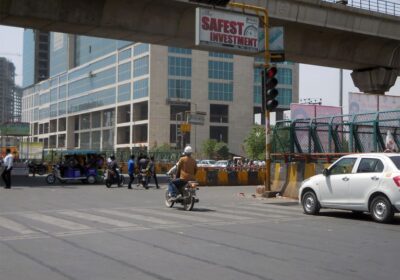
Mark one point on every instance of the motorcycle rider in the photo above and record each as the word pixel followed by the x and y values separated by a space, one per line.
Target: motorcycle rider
pixel 186 171
pixel 113 165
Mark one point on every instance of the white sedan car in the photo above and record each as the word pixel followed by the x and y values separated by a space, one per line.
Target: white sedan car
pixel 357 182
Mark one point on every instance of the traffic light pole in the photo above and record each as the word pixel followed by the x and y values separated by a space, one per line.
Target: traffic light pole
pixel 267 55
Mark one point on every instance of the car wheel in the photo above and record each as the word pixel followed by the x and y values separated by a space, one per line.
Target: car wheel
pixel 381 209
pixel 310 203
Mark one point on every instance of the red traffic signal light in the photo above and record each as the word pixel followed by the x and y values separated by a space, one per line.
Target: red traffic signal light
pixel 269 91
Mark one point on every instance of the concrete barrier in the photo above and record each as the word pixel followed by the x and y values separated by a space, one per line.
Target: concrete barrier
pixel 222 178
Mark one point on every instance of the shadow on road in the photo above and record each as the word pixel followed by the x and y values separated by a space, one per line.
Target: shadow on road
pixel 354 216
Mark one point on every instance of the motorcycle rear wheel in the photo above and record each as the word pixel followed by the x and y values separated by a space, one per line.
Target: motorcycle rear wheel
pixel 108 183
pixel 188 203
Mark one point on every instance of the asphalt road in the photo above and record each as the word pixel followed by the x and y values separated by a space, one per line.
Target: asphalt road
pixel 76 231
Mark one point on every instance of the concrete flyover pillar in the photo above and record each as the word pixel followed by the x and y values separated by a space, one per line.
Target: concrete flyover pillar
pixel 375 80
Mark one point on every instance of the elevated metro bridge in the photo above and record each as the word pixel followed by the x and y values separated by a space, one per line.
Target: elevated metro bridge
pixel 316 32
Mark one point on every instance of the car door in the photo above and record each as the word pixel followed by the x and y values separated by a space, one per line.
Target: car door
pixel 334 189
pixel 367 177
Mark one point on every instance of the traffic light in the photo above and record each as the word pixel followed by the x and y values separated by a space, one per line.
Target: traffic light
pixel 269 91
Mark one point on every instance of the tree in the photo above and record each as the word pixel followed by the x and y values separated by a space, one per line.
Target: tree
pixel 208 147
pixel 222 150
pixel 255 143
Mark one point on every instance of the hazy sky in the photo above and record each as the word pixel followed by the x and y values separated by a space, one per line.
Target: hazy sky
pixel 315 82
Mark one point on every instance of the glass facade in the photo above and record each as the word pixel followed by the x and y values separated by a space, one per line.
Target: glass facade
pixel 59 53
pixel 28 60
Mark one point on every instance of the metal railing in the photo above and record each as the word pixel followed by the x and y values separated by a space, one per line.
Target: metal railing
pixel 364 132
pixel 380 6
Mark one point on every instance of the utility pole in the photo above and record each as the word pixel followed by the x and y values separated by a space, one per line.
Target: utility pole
pixel 267 60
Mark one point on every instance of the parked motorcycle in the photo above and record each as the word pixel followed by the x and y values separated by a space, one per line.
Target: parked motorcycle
pixel 37 168
pixel 188 198
pixel 143 178
pixel 110 178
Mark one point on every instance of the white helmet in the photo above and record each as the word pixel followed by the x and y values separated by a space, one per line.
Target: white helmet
pixel 188 150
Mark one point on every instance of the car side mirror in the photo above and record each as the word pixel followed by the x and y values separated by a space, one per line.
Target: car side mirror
pixel 326 172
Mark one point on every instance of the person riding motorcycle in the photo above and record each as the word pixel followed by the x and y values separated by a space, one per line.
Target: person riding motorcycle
pixel 186 171
pixel 113 165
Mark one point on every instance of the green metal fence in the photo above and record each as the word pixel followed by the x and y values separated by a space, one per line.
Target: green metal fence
pixel 364 132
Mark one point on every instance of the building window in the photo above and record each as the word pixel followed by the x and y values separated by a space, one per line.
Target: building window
pixel 284 97
pixel 140 88
pixel 140 111
pixel 123 135
pixel 85 121
pixel 257 98
pixel 108 118
pixel 62 124
pixel 219 133
pixel 108 139
pixel 139 133
pixel 220 55
pixel 61 141
pixel 53 126
pixel 96 140
pixel 177 112
pixel 284 76
pixel 220 70
pixel 179 88
pixel 124 114
pixel 141 66
pixel 219 113
pixel 124 54
pixel 76 140
pixel 96 120
pixel 140 48
pixel 179 50
pixel 179 66
pixel 124 72
pixel 220 91
pixel 124 92
pixel 85 140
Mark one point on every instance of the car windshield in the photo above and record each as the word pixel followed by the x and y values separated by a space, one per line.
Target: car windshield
pixel 396 161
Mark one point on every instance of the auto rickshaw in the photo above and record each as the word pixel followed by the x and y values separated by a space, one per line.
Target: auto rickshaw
pixel 77 165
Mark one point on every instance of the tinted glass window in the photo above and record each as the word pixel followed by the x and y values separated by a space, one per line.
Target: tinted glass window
pixel 343 166
pixel 396 161
pixel 368 165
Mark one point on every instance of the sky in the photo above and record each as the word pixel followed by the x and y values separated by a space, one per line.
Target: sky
pixel 315 82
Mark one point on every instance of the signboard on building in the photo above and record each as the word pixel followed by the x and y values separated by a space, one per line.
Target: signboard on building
pixel 228 30
pixel 15 129
pixel 196 118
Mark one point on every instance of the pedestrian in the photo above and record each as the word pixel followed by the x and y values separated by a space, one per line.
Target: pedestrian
pixel 152 169
pixel 131 171
pixel 8 166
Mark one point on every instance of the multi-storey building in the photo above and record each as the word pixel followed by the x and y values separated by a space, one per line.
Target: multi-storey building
pixel 8 91
pixel 35 57
pixel 107 94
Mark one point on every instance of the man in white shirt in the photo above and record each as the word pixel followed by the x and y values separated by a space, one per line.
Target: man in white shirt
pixel 8 165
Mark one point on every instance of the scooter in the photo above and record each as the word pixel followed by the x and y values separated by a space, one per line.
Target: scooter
pixel 188 198
pixel 37 168
pixel 110 178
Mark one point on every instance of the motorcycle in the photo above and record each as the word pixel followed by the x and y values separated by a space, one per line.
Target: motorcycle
pixel 37 168
pixel 188 198
pixel 110 178
pixel 143 178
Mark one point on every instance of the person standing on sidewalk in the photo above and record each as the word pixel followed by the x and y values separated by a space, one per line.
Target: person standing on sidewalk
pixel 8 166
pixel 152 169
pixel 131 171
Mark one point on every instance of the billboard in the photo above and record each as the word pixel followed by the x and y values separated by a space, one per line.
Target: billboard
pixel 15 129
pixel 31 150
pixel 362 103
pixel 227 30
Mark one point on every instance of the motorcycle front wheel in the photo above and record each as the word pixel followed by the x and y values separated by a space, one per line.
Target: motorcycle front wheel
pixel 167 202
pixel 188 203
pixel 50 179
